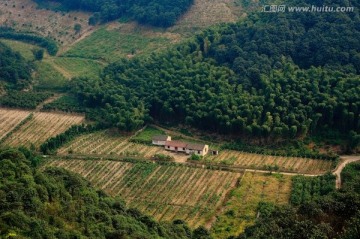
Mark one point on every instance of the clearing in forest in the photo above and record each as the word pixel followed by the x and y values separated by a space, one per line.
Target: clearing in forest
pixel 241 209
pixel 163 191
pixel 41 127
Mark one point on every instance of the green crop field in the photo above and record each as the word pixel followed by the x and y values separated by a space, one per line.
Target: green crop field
pixel 76 67
pixel 23 48
pixel 241 209
pixel 165 192
pixel 110 45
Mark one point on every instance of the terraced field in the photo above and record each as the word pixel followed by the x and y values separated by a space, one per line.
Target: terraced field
pixel 165 192
pixel 41 127
pixel 241 209
pixel 256 161
pixel 104 143
pixel 9 119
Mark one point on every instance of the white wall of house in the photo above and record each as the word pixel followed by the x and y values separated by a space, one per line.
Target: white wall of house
pixel 198 152
pixel 176 149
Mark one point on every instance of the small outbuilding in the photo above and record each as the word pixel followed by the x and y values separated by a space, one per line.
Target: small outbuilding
pixel 160 139
pixel 199 149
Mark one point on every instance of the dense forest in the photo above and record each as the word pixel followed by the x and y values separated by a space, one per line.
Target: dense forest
pixel 15 71
pixel 336 214
pixel 271 76
pixel 162 13
pixel 55 203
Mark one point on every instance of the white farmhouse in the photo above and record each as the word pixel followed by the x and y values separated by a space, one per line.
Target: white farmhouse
pixel 199 149
pixel 160 139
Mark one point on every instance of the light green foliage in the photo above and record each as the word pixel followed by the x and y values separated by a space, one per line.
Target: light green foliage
pixel 145 136
pixel 110 45
pixel 47 78
pixel 76 67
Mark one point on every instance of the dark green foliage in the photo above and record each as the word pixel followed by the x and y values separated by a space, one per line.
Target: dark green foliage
pixel 46 43
pixel 163 157
pixel 308 189
pixel 291 148
pixel 249 78
pixel 333 215
pixel 67 103
pixel 51 145
pixel 350 177
pixel 14 69
pixel 195 157
pixel 23 99
pixel 58 204
pixel 38 54
pixel 162 13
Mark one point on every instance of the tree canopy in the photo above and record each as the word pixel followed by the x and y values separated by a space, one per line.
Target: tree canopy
pixel 55 203
pixel 162 13
pixel 14 69
pixel 273 75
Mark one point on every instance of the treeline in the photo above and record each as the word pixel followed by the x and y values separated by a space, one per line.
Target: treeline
pixel 287 149
pixel 268 77
pixel 162 13
pixel 52 144
pixel 336 214
pixel 66 103
pixel 23 99
pixel 14 69
pixel 46 43
pixel 309 189
pixel 54 203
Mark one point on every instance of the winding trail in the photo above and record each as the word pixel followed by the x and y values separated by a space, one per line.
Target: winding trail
pixel 345 159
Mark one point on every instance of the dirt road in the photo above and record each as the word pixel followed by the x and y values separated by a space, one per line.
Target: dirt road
pixel 345 159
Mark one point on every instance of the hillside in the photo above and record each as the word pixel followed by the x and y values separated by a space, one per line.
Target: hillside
pixel 55 203
pixel 243 79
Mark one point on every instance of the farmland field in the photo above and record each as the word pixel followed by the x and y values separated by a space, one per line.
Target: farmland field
pixel 258 161
pixel 76 67
pixel 165 192
pixel 41 127
pixel 9 119
pixel 104 142
pixel 241 209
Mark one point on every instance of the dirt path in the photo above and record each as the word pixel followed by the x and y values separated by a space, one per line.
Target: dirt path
pixel 47 101
pixel 346 159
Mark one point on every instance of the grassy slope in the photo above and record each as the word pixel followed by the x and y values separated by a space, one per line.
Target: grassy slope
pixel 109 44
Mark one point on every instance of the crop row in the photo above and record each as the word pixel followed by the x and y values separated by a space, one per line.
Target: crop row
pixel 295 164
pixel 9 119
pixel 165 192
pixel 41 127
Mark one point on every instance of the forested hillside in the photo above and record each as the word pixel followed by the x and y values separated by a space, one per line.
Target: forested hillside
pixel 281 75
pixel 335 215
pixel 15 71
pixel 163 13
pixel 58 204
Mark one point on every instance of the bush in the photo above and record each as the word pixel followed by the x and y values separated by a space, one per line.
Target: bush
pixel 163 157
pixel 195 157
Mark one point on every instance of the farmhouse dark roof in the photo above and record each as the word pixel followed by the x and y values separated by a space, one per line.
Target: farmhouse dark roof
pixel 178 144
pixel 196 146
pixel 160 137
